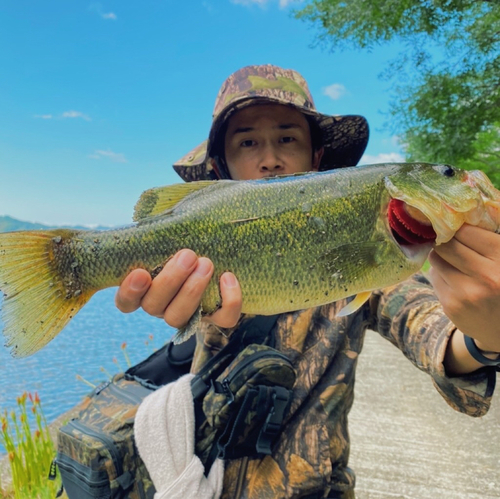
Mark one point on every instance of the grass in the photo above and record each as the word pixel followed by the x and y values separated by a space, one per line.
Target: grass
pixel 30 451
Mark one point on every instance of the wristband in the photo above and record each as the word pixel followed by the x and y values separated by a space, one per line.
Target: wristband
pixel 478 355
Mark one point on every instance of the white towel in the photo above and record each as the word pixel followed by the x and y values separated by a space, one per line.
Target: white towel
pixel 164 433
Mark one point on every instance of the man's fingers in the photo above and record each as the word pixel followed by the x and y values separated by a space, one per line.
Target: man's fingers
pixel 176 292
pixel 168 282
pixel 474 253
pixel 132 290
pixel 480 240
pixel 442 266
pixel 462 256
pixel 229 314
pixel 188 298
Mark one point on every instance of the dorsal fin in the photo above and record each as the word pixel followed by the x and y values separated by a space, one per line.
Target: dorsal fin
pixel 159 199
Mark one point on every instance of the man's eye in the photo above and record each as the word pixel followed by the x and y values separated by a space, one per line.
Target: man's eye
pixel 287 140
pixel 247 143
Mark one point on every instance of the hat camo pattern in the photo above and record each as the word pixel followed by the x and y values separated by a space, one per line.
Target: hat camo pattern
pixel 344 137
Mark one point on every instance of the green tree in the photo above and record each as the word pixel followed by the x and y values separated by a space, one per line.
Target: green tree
pixel 446 95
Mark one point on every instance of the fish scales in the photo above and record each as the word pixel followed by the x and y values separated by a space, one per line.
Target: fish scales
pixel 293 242
pixel 279 250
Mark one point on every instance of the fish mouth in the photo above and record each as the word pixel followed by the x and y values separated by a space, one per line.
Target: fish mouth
pixel 477 205
pixel 411 229
pixel 408 224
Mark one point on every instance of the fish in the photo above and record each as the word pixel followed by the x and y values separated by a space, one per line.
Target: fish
pixel 293 241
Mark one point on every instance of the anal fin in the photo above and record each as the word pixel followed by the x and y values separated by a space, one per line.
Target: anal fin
pixel 355 304
pixel 183 334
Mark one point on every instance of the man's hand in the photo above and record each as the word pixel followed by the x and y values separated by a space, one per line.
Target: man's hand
pixel 465 274
pixel 175 293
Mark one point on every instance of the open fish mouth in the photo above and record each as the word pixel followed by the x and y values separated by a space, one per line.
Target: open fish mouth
pixel 411 229
pixel 408 224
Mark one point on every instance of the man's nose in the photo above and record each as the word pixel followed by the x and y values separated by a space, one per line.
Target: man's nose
pixel 270 159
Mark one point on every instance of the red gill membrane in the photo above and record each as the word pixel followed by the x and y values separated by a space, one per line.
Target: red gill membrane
pixel 407 230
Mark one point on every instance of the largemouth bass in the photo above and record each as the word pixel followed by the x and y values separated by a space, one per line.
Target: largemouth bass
pixel 293 242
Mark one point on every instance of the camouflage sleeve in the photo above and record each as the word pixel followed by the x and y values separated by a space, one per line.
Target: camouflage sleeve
pixel 410 316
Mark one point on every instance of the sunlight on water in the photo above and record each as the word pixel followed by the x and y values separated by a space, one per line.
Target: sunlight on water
pixel 89 342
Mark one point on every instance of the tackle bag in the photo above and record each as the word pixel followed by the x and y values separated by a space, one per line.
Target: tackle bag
pixel 97 456
pixel 96 452
pixel 240 396
pixel 240 407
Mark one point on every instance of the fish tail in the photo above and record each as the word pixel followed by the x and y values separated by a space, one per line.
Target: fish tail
pixel 36 305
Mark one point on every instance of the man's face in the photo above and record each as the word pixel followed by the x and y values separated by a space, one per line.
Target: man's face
pixel 267 140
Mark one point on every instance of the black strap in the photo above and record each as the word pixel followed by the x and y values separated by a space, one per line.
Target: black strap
pixel 181 354
pixel 258 330
pixel 165 365
pixel 273 402
pixel 236 427
pixel 253 331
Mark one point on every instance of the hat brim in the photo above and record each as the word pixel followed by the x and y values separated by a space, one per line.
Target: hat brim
pixel 344 140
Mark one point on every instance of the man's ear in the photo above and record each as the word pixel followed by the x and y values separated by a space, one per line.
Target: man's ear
pixel 317 155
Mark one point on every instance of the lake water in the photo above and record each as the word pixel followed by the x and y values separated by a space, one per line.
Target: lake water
pixel 89 343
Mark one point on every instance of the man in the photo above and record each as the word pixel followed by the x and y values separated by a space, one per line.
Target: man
pixel 265 123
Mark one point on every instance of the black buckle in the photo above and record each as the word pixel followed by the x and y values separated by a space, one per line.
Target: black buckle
pixel 274 419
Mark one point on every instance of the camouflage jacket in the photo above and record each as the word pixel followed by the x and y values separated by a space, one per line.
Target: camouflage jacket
pixel 311 456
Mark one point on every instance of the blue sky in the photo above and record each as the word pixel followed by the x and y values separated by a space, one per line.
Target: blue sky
pixel 97 100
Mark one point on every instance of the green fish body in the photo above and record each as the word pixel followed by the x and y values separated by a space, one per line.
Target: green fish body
pixel 293 242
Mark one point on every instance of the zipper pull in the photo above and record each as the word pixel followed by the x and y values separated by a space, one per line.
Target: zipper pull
pixel 53 474
pixel 53 469
pixel 101 387
pixel 60 491
pixel 227 391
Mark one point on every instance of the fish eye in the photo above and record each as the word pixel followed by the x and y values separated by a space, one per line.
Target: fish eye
pixel 445 170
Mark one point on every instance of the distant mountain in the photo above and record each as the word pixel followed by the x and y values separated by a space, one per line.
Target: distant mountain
pixel 9 224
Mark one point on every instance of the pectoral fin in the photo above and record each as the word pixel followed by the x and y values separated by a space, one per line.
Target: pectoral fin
pixel 352 306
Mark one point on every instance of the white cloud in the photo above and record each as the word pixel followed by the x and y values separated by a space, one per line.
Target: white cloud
pixel 391 157
pixel 75 114
pixel 116 157
pixel 285 3
pixel 109 15
pixel 66 114
pixel 334 91
pixel 97 8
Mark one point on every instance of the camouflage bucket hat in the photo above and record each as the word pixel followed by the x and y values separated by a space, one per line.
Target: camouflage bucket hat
pixel 344 137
